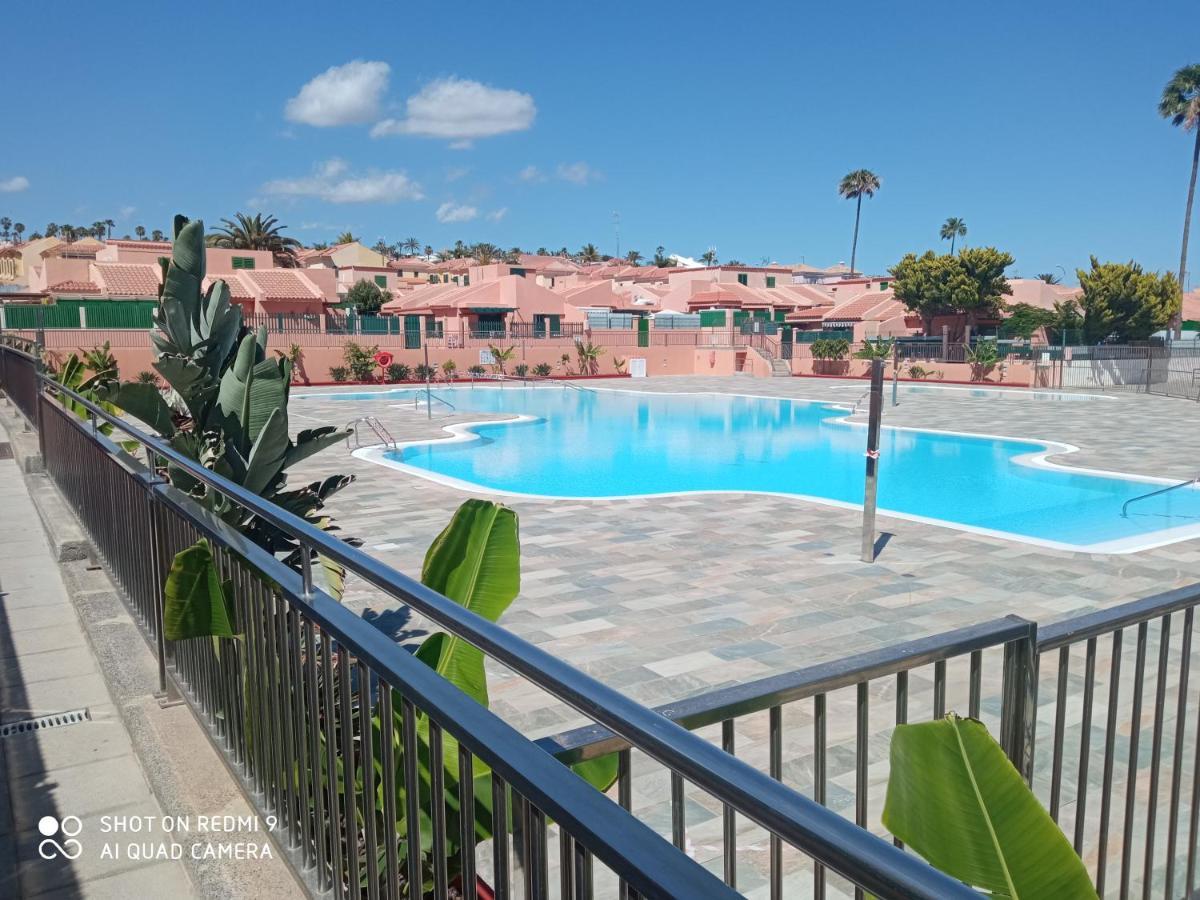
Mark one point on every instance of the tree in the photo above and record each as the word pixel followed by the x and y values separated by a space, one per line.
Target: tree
pixel 367 297
pixel 1181 104
pixel 51 229
pixel 383 249
pixel 485 254
pixel 345 238
pixel 856 185
pixel 971 284
pixel 428 251
pixel 633 257
pixel 140 231
pixel 99 229
pixel 513 256
pixel 109 225
pixel 588 253
pixel 1048 277
pixel 5 227
pixel 661 260
pixel 709 257
pixel 156 235
pixel 1024 319
pixel 1121 302
pixel 952 228
pixel 254 233
pixel 18 230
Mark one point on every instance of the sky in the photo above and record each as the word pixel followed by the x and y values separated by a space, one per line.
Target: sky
pixel 703 125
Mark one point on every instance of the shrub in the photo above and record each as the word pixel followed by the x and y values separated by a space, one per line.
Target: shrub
pixel 366 297
pixel 339 373
pixel 832 349
pixel 542 369
pixel 521 370
pixel 424 372
pixel 449 368
pixel 619 365
pixel 398 372
pixel 880 348
pixel 982 358
pixel 475 371
pixel 360 360
pixel 147 377
pixel 915 371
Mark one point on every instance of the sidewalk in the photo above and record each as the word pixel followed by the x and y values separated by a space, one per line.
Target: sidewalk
pixel 85 770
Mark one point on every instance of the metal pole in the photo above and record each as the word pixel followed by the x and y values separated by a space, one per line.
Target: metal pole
pixel 871 485
pixel 895 373
pixel 428 400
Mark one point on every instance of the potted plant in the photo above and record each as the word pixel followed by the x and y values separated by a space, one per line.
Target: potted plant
pixel 398 372
pixel 449 369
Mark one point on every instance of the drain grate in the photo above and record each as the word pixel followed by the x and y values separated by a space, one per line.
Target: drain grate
pixel 5 450
pixel 55 720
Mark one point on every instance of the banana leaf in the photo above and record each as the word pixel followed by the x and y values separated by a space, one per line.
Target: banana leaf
pixel 954 797
pixel 144 402
pixel 197 603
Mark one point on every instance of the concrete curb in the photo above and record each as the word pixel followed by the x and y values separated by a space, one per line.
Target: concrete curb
pixel 67 540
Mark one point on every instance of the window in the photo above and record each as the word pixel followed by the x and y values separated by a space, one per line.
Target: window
pixel 515 271
pixel 770 281
pixel 466 281
pixel 883 285
pixel 743 278
pixel 381 280
pixel 243 262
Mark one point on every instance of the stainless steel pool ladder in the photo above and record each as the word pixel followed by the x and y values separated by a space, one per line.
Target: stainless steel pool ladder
pixel 858 401
pixel 1174 487
pixel 541 379
pixel 431 397
pixel 375 425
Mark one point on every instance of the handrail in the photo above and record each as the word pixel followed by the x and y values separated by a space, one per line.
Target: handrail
pixel 1105 621
pixel 375 425
pixel 591 741
pixel 431 396
pixel 1166 490
pixel 832 840
pixel 543 379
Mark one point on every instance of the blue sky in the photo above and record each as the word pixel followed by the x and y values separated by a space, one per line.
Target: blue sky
pixel 1036 124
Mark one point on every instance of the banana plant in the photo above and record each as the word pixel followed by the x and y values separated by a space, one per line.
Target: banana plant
pixel 226 409
pixel 954 797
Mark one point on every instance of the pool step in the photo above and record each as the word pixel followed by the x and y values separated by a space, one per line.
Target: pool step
pixel 781 368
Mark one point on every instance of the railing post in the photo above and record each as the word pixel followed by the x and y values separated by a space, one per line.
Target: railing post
pixel 1018 712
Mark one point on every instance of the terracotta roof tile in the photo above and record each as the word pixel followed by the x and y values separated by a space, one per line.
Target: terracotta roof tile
pixel 74 287
pixel 129 279
pixel 281 285
pixel 237 290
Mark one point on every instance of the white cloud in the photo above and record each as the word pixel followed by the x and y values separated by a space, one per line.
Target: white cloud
pixel 14 184
pixel 341 95
pixel 456 172
pixel 332 182
pixel 531 173
pixel 577 173
pixel 455 212
pixel 497 214
pixel 127 211
pixel 459 110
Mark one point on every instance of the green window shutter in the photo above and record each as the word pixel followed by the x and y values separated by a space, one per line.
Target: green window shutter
pixel 883 285
pixel 381 280
pixel 743 278
pixel 780 314
pixel 740 316
pixel 243 262
pixel 770 281
pixel 712 318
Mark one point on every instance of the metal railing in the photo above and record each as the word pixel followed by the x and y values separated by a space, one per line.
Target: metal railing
pixel 1054 695
pixel 20 362
pixel 377 428
pixel 296 705
pixel 1168 370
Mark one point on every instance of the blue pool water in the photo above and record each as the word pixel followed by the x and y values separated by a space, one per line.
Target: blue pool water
pixel 612 443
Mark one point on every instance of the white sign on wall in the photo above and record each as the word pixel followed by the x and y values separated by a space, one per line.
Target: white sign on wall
pixel 486 358
pixel 637 368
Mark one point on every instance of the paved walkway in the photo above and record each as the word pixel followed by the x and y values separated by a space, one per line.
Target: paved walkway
pixel 87 770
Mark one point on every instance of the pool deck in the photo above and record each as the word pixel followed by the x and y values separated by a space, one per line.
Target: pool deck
pixel 668 597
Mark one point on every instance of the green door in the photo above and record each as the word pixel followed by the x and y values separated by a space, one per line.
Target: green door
pixel 643 332
pixel 785 341
pixel 412 332
pixel 555 326
pixel 539 325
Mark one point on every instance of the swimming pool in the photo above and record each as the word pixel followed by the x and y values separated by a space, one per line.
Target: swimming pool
pixel 611 443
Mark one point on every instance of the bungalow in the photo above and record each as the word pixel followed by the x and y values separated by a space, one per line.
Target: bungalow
pixel 868 315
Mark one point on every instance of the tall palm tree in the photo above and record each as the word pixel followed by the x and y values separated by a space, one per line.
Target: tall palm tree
pixel 345 237
pixel 856 185
pixel 109 225
pixel 383 249
pixel 51 229
pixel 157 235
pixel 709 257
pixel 99 229
pixel 588 253
pixel 1181 104
pixel 633 257
pixel 140 231
pixel 411 245
pixel 1048 277
pixel 18 230
pixel 952 228
pixel 257 233
pixel 5 227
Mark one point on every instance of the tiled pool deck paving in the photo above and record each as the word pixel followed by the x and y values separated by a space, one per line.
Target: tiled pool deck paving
pixel 669 597
pixel 672 596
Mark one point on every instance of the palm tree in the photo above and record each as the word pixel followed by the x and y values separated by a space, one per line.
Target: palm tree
pixel 633 257
pixel 661 259
pixel 257 233
pixel 99 229
pixel 500 356
pixel 1048 277
pixel 856 185
pixel 345 238
pixel 952 228
pixel 156 234
pixel 5 227
pixel 1181 104
pixel 588 253
pixel 411 245
pixel 428 251
pixel 18 230
pixel 383 249
pixel 589 357
pixel 109 225
pixel 51 229
pixel 484 254
pixel 709 257
pixel 140 231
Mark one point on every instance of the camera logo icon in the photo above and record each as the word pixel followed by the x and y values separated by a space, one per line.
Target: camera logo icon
pixel 70 848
